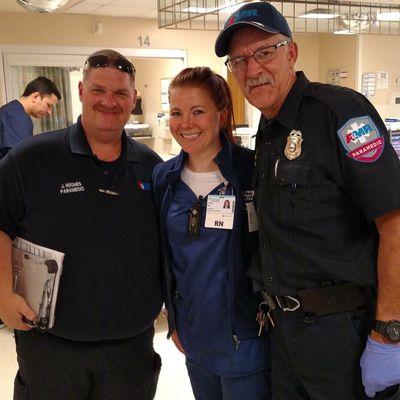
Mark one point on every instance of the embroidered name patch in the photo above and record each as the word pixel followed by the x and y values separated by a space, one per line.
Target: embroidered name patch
pixel 71 187
pixel 362 140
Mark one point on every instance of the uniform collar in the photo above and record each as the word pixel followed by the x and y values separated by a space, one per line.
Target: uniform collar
pixel 288 113
pixel 79 144
pixel 174 174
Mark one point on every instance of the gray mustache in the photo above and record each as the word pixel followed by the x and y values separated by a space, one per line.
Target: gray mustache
pixel 261 80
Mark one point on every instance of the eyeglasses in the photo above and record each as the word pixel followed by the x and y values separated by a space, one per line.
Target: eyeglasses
pixel 102 61
pixel 262 56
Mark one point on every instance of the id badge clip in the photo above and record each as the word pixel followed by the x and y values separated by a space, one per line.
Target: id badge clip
pixel 195 213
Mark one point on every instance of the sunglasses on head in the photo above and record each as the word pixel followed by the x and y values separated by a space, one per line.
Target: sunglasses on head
pixel 102 61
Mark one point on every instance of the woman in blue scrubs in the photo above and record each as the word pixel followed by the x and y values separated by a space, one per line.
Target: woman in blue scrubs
pixel 208 246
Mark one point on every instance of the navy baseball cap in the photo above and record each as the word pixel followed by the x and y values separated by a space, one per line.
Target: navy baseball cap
pixel 261 15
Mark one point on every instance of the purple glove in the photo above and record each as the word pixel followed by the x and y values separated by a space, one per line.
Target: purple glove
pixel 380 366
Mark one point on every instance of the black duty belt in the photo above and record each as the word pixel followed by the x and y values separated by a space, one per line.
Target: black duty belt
pixel 325 300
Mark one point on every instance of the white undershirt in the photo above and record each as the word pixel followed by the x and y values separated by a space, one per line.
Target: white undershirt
pixel 202 183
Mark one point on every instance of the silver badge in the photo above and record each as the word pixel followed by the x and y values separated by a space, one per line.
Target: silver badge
pixel 293 145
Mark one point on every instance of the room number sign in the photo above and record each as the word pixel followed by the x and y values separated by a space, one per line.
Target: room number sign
pixel 144 41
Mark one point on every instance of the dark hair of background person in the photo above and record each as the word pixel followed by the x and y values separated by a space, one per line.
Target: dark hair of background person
pixel 43 85
pixel 215 84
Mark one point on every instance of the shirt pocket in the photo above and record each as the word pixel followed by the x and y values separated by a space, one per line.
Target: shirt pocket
pixel 289 191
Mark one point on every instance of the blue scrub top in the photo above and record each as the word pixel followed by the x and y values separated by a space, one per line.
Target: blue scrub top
pixel 201 269
pixel 15 124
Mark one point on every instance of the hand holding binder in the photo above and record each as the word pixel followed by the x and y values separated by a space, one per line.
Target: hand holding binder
pixel 36 276
pixel 15 310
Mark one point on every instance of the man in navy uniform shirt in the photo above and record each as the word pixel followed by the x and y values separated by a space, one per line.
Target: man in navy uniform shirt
pixel 85 191
pixel 327 186
pixel 37 100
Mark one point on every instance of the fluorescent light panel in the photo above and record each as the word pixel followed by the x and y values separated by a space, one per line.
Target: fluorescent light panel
pixel 388 16
pixel 199 10
pixel 320 13
pixel 344 32
pixel 203 10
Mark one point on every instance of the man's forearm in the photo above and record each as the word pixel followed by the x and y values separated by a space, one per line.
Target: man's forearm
pixel 381 358
pixel 388 305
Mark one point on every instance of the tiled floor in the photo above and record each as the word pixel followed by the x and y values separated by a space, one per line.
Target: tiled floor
pixel 173 383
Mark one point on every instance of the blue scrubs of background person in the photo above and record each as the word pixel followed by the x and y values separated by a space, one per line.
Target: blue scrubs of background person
pixel 208 246
pixel 37 100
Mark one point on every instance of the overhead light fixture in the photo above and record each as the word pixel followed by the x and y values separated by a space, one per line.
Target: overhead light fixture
pixel 43 6
pixel 228 8
pixel 344 32
pixel 232 9
pixel 388 16
pixel 320 13
pixel 199 10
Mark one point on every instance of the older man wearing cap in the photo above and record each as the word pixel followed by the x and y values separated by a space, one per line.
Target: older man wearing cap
pixel 328 196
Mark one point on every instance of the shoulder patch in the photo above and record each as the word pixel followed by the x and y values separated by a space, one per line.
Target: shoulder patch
pixel 361 139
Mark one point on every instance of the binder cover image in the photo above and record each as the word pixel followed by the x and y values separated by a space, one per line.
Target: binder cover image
pixel 36 273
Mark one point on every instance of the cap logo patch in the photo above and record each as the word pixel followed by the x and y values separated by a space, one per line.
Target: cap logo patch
pixel 241 14
pixel 362 140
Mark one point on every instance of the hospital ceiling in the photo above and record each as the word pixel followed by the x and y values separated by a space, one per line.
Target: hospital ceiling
pixel 112 8
pixel 323 16
pixel 330 16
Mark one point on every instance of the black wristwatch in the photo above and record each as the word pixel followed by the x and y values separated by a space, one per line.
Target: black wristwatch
pixel 389 329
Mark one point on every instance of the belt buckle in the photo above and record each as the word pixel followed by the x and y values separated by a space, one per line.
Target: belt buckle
pixel 285 307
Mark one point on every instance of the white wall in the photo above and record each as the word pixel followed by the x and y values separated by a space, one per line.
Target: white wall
pixel 381 53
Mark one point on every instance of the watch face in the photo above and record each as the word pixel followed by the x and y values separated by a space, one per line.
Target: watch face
pixel 393 331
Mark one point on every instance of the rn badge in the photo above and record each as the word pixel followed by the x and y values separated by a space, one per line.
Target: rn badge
pixel 293 145
pixel 361 139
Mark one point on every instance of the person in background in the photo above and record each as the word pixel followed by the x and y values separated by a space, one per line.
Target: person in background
pixel 211 308
pixel 327 186
pixel 85 191
pixel 37 101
